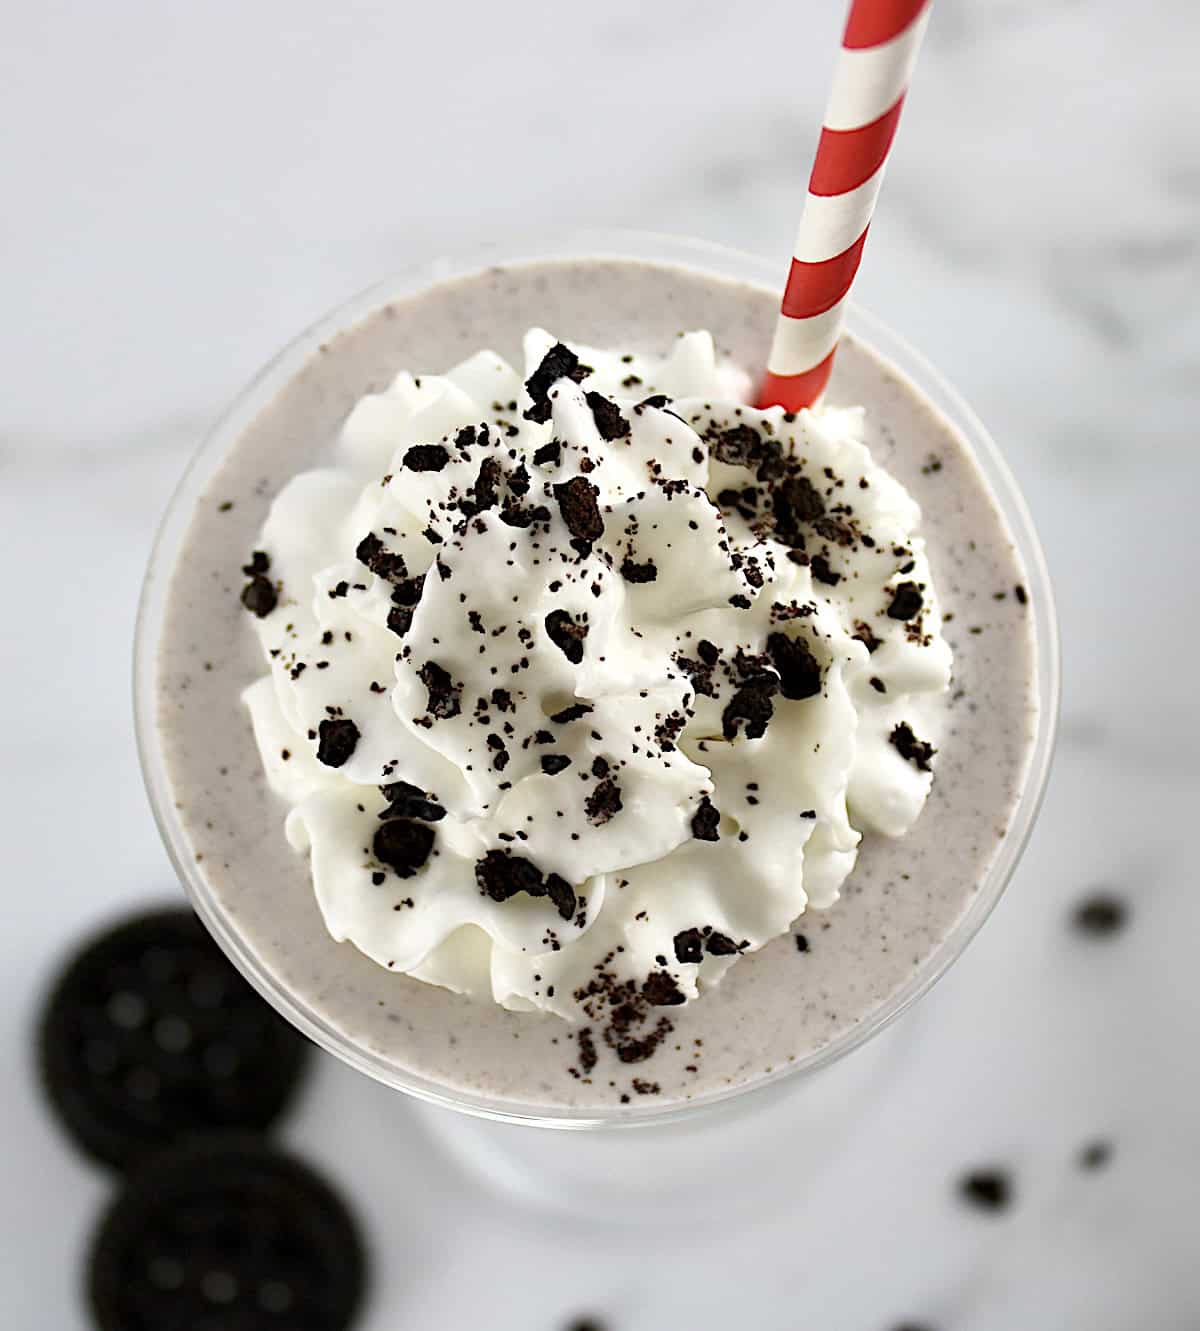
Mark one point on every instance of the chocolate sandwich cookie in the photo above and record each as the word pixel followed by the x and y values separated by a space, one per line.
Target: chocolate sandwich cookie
pixel 149 1036
pixel 226 1234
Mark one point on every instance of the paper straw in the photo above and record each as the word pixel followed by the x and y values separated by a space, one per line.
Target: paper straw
pixel 879 49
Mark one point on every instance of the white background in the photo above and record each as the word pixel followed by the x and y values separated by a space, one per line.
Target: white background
pixel 185 185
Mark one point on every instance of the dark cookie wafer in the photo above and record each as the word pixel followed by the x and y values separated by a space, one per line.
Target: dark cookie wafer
pixel 150 1035
pixel 577 503
pixel 501 875
pixel 610 423
pixel 560 362
pixel 226 1234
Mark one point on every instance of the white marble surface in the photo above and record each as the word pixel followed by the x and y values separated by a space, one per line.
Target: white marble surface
pixel 186 185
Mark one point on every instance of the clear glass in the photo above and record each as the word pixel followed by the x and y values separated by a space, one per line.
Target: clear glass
pixel 649 248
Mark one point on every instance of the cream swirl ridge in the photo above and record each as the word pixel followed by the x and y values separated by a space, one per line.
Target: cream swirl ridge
pixel 585 679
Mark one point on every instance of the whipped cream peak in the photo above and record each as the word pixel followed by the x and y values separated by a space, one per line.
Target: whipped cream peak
pixel 583 679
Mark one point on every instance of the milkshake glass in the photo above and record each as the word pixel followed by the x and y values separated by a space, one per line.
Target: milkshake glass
pixel 811 1074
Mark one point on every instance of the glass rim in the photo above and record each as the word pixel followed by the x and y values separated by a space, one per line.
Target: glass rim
pixel 715 260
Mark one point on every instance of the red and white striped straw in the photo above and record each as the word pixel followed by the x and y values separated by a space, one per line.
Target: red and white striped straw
pixel 879 49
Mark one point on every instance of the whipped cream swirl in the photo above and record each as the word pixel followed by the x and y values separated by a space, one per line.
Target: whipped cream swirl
pixel 589 676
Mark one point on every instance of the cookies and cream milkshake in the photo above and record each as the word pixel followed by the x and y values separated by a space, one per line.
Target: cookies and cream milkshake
pixel 563 730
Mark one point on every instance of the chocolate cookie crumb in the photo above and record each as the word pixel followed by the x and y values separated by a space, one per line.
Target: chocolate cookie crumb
pixel 553 763
pixel 1021 594
pixel 689 947
pixel 444 693
pixel 862 633
pixel 720 945
pixel 637 573
pixel 399 620
pixel 485 491
pixel 700 674
pixel 409 591
pixel 515 516
pixel 549 454
pixel 426 457
pixel 259 596
pixel 739 446
pixel 588 1058
pixel 338 740
pixel 823 573
pixel 909 747
pixel 751 707
pixel 403 845
pixel 372 552
pixel 566 634
pixel 1100 915
pixel 573 713
pixel 706 820
pixel 837 532
pixel 577 504
pixel 260 562
pixel 668 730
pixel 560 362
pixel 609 421
pixel 794 501
pixel 986 1189
pixel 799 671
pixel 502 875
pixel 519 481
pixel 660 990
pixel 1095 1155
pixel 877 684
pixel 409 801
pixel 907 602
pixel 604 803
pixel 801 943
pixel 562 896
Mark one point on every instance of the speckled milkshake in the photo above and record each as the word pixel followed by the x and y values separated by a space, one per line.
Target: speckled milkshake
pixel 776 1006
